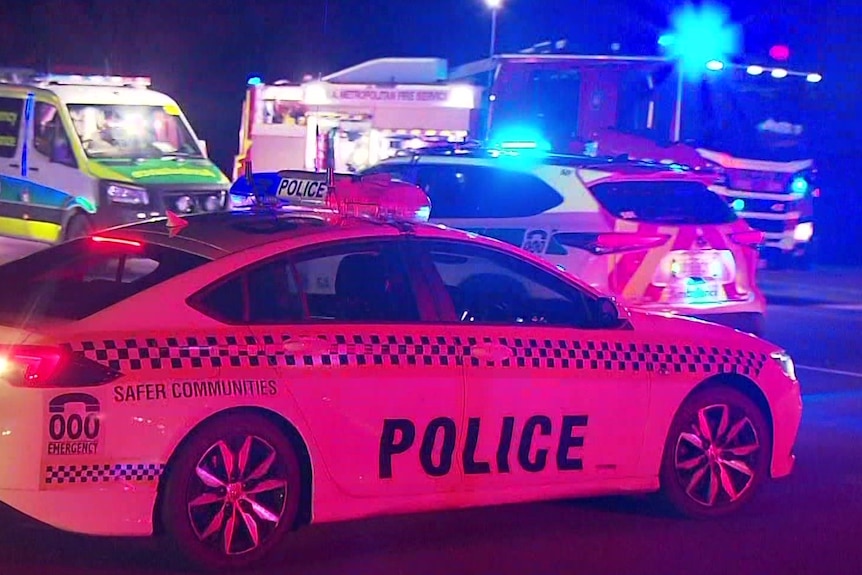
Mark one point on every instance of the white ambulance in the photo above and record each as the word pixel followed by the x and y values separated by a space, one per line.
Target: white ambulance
pixel 86 152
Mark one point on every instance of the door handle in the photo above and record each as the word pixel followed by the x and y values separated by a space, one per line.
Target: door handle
pixel 491 351
pixel 33 169
pixel 307 345
pixel 14 165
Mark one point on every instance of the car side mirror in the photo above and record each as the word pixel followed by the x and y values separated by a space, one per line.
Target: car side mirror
pixel 607 313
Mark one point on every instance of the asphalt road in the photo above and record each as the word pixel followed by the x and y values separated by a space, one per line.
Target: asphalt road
pixel 810 523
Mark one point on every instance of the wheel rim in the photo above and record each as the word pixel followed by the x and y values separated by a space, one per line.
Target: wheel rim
pixel 237 495
pixel 715 461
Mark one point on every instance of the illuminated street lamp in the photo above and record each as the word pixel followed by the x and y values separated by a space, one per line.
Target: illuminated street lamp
pixel 703 38
pixel 495 6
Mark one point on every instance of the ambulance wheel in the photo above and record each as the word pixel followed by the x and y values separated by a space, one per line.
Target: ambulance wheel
pixel 78 226
pixel 716 454
pixel 232 493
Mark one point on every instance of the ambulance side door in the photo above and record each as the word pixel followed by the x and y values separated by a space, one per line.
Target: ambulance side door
pixel 55 169
pixel 12 183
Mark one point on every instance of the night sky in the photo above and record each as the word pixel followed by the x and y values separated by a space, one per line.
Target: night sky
pixel 201 51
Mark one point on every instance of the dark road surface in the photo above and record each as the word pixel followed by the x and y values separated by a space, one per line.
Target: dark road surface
pixel 810 523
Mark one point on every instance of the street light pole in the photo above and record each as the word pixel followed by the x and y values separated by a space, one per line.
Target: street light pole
pixel 495 6
pixel 493 32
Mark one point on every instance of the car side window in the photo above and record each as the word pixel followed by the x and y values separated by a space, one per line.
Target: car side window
pixel 50 138
pixel 10 125
pixel 365 282
pixel 472 191
pixel 488 286
pixel 356 282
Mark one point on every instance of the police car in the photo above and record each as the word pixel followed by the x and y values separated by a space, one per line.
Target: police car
pixel 654 235
pixel 222 379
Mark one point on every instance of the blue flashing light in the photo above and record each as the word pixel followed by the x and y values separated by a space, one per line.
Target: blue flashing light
pixel 520 138
pixel 738 204
pixel 666 40
pixel 701 36
pixel 799 186
pixel 255 81
pixel 265 183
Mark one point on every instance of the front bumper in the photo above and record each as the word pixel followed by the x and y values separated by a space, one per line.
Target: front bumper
pixel 181 199
pixel 787 418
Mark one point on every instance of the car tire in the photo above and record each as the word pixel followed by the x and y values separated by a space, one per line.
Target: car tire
pixel 232 520
pixel 716 454
pixel 78 226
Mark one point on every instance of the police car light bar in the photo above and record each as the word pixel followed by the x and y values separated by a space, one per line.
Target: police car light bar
pixel 88 80
pixel 376 197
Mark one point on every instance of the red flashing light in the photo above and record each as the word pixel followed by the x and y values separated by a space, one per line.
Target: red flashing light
pixel 612 242
pixel 379 197
pixel 120 241
pixel 779 52
pixel 751 238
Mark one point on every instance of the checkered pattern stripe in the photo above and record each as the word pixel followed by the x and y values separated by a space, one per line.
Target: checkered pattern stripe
pixel 101 473
pixel 358 350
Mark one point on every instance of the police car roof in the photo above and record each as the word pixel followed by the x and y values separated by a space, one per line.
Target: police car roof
pixel 216 235
pixel 460 153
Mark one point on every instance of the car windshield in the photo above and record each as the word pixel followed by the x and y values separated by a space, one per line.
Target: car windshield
pixel 757 117
pixel 126 131
pixel 752 117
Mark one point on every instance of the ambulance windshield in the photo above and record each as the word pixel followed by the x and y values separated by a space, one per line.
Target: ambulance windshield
pixel 125 131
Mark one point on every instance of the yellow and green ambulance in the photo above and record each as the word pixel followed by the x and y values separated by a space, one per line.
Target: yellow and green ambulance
pixel 80 153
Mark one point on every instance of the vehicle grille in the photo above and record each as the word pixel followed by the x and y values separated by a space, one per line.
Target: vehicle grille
pixel 195 202
pixel 757 181
pixel 765 206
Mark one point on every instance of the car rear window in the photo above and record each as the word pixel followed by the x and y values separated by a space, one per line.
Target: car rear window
pixel 76 279
pixel 663 202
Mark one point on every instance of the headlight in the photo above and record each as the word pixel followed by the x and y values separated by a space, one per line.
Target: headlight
pixel 121 194
pixel 785 362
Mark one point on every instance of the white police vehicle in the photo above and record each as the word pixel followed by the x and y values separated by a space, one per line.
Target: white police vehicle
pixel 653 235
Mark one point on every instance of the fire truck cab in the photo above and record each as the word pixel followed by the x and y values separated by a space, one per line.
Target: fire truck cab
pixel 747 123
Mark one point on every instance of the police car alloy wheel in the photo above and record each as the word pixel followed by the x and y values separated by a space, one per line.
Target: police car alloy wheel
pixel 717 453
pixel 232 493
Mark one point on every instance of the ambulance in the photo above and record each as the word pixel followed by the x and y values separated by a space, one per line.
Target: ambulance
pixel 377 108
pixel 80 153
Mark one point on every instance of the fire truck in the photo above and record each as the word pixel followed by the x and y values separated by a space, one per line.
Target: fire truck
pixel 749 124
pixel 375 108
pixel 746 124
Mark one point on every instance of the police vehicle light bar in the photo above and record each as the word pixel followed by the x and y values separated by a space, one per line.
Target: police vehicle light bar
pixel 377 197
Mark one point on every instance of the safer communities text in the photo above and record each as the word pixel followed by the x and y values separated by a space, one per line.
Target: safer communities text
pixel 195 389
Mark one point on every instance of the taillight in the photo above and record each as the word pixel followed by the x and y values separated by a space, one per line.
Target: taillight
pixel 611 242
pixel 751 238
pixel 115 241
pixel 39 366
